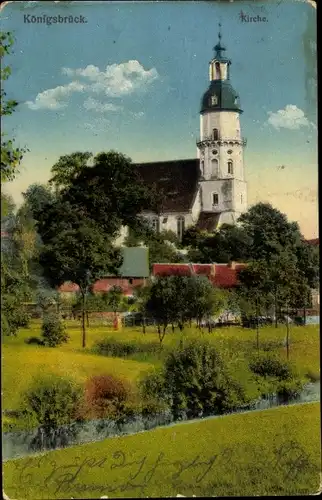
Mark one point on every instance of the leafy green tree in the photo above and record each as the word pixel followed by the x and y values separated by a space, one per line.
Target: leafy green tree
pixel 80 255
pixel 114 298
pixel 68 168
pixel 11 156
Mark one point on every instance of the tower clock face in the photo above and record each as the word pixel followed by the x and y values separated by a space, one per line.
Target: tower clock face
pixel 214 100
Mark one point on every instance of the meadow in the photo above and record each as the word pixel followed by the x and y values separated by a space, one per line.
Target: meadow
pixel 22 362
pixel 267 452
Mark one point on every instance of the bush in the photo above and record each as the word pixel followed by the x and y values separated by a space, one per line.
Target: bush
pixel 109 397
pixel 115 348
pixel 270 366
pixel 199 383
pixel 54 400
pixel 53 331
pixel 289 389
pixel 34 340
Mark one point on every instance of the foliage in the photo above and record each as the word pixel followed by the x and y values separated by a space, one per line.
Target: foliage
pixel 53 399
pixel 68 168
pixel 271 366
pixel 116 348
pixel 114 298
pixel 198 382
pixel 53 331
pixel 10 155
pixel 108 397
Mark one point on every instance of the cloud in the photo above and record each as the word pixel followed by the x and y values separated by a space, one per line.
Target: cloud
pixel 117 80
pixel 96 125
pixel 55 98
pixel 291 117
pixel 93 105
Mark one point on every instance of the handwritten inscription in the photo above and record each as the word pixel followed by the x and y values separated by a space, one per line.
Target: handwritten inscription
pixel 135 474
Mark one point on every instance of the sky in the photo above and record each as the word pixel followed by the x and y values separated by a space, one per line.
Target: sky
pixel 131 76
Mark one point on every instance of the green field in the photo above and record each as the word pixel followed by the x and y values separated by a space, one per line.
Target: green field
pixel 257 453
pixel 21 361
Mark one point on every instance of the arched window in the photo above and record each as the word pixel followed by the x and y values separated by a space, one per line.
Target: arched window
pixel 214 167
pixel 241 198
pixel 215 199
pixel 180 227
pixel 230 167
pixel 202 168
pixel 155 223
pixel 215 134
pixel 218 73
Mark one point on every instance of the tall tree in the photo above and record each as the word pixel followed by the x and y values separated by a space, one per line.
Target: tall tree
pixel 11 156
pixel 67 168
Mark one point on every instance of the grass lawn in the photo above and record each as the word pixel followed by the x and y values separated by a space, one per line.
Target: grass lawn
pixel 270 452
pixel 21 361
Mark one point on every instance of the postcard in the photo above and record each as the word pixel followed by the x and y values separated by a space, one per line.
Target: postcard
pixel 160 301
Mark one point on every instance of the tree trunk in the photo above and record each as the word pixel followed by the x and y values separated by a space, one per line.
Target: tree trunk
pixel 143 324
pixel 287 336
pixel 87 319
pixel 257 326
pixel 83 318
pixel 304 315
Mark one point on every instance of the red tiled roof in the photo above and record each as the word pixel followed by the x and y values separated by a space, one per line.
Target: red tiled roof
pixel 171 270
pixel 103 285
pixel 220 275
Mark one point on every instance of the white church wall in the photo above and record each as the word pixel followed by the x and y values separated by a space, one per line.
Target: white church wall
pixel 119 241
pixel 223 188
pixel 240 196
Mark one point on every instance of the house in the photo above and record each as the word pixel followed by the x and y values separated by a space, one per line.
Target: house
pixel 220 275
pixel 211 189
pixel 133 272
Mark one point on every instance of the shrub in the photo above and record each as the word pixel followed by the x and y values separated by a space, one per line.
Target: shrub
pixel 287 389
pixel 34 340
pixel 109 397
pixel 53 331
pixel 271 366
pixel 54 400
pixel 115 348
pixel 199 383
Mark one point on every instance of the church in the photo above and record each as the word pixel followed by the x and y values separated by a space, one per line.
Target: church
pixel 209 190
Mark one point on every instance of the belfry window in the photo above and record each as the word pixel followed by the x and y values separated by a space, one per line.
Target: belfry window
pixel 215 199
pixel 180 227
pixel 218 72
pixel 214 168
pixel 155 223
pixel 215 134
pixel 230 167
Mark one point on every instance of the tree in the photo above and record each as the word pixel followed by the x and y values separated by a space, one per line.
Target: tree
pixel 160 305
pixel 68 168
pixel 10 156
pixel 80 255
pixel 114 298
pixel 269 231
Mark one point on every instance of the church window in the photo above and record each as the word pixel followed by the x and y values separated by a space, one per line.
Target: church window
pixel 203 168
pixel 215 152
pixel 155 224
pixel 229 151
pixel 214 167
pixel 241 198
pixel 180 227
pixel 165 220
pixel 230 167
pixel 215 134
pixel 218 74
pixel 215 199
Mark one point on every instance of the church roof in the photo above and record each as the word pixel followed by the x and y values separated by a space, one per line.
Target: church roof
pixel 208 221
pixel 177 180
pixel 227 97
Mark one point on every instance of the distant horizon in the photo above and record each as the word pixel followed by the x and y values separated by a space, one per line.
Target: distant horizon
pixel 136 89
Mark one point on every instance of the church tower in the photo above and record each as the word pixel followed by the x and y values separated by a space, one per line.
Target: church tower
pixel 221 145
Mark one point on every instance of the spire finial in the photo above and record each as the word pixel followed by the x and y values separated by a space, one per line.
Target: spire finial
pixel 219 34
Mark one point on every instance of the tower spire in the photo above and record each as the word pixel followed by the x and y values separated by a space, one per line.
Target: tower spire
pixel 219 48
